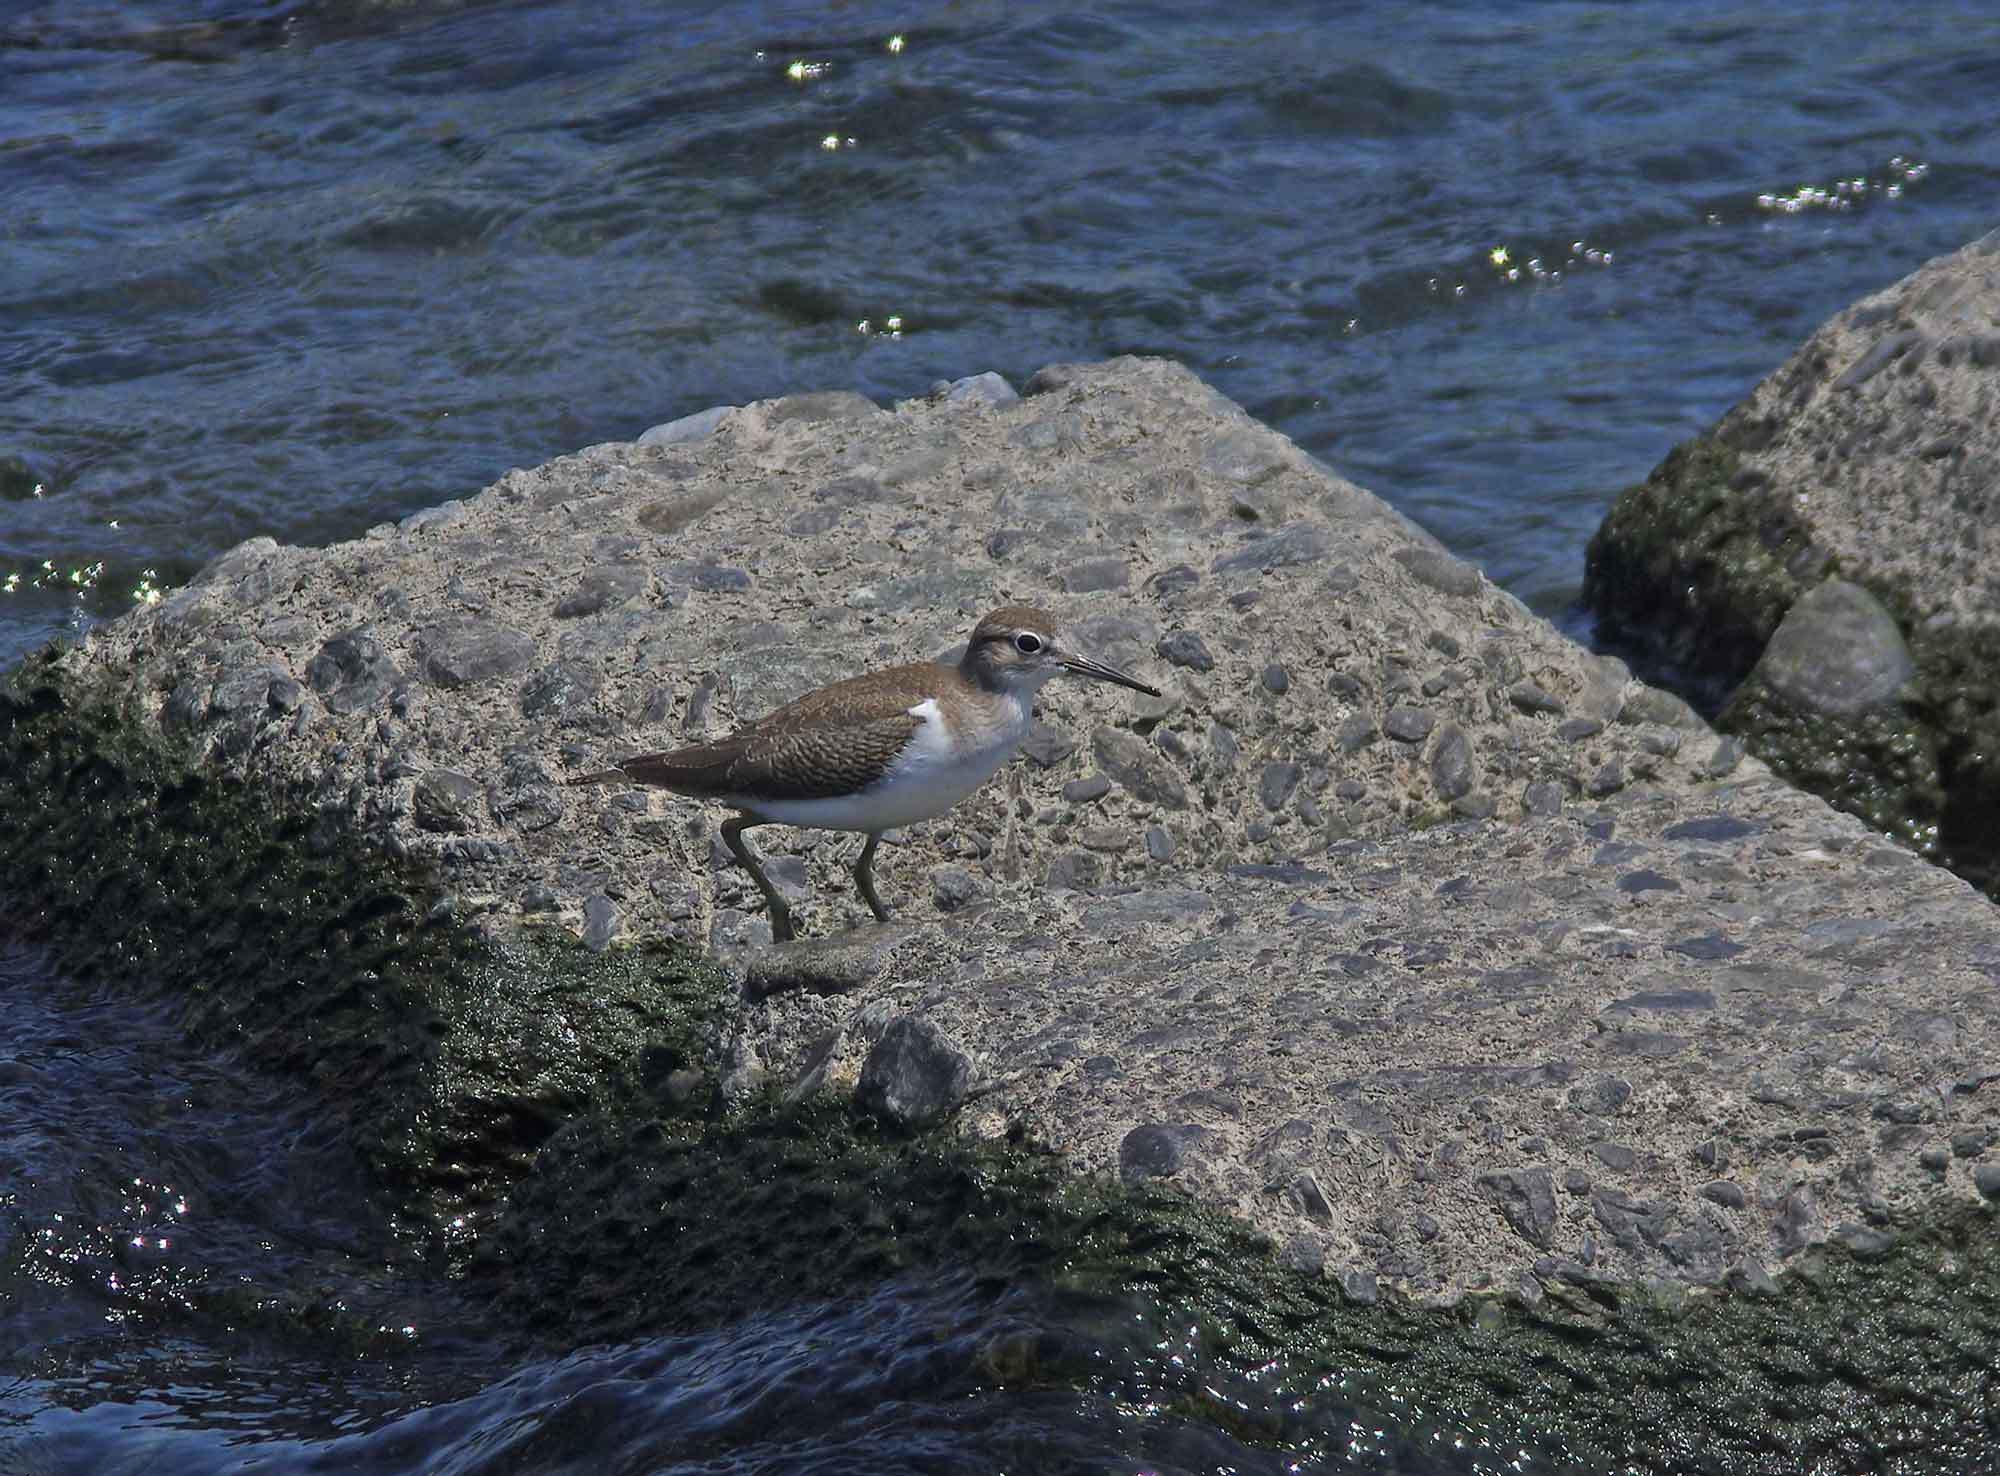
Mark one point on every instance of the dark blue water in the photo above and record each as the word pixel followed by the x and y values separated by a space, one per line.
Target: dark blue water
pixel 300 267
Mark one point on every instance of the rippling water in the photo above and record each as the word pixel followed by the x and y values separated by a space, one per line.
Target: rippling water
pixel 291 267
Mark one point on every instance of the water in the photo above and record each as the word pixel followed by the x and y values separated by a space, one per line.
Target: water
pixel 291 267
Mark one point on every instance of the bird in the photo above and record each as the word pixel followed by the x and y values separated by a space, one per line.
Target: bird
pixel 877 751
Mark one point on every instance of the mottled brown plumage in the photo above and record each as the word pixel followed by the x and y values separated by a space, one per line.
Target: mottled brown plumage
pixel 874 751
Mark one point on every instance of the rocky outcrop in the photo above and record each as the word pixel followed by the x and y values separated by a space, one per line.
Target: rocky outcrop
pixel 1821 566
pixel 1400 927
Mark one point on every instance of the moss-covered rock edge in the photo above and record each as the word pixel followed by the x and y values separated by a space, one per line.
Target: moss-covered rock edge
pixel 1691 572
pixel 601 1211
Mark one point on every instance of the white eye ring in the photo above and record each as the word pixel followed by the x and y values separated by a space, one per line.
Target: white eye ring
pixel 1027 643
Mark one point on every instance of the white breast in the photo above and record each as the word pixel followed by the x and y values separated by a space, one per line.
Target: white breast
pixel 930 776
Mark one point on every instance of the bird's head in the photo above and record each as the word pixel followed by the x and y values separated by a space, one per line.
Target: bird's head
pixel 1017 648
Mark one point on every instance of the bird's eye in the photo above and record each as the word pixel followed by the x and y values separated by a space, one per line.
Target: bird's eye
pixel 1027 643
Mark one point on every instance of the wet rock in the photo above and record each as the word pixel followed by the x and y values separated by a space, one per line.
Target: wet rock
pixel 1837 651
pixel 914 1076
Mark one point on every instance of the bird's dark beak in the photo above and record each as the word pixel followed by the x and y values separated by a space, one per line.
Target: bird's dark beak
pixel 1084 666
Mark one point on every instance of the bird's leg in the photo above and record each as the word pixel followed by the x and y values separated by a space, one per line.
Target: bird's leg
pixel 781 915
pixel 864 877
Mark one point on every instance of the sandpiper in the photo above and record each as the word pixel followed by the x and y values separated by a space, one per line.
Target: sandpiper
pixel 876 751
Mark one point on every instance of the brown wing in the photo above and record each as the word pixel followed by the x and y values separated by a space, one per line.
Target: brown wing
pixel 828 743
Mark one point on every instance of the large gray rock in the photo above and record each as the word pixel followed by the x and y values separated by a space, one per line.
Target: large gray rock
pixel 1453 901
pixel 1867 468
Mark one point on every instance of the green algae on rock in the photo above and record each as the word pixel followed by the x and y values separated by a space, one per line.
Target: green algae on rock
pixel 1871 458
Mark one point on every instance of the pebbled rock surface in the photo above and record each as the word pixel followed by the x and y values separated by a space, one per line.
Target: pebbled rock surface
pixel 1449 955
pixel 1823 566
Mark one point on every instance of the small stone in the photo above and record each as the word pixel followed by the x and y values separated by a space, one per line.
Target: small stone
pixel 981 389
pixel 1725 1193
pixel 1602 1097
pixel 466 651
pixel 1751 1279
pixel 1132 762
pixel 1452 772
pixel 1075 871
pixel 443 801
pixel 1185 648
pixel 953 888
pixel 688 428
pixel 914 1075
pixel 1222 743
pixel 1936 1160
pixel 600 922
pixel 1047 746
pixel 1543 800
pixel 1575 730
pixel 1360 1287
pixel 609 584
pixel 1094 575
pixel 709 578
pixel 1356 732
pixel 1527 1199
pixel 1533 699
pixel 1170 582
pixel 1837 651
pixel 352 672
pixel 1408 724
pixel 1608 780
pixel 1277 681
pixel 1576 1181
pixel 1866 1244
pixel 1276 783
pixel 1311 1199
pixel 1291 546
pixel 1304 1254
pixel 1986 1179
pixel 561 690
pixel 1614 1156
pixel 1440 570
pixel 1158 1151
pixel 1083 791
pixel 1159 844
pixel 1970 1144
